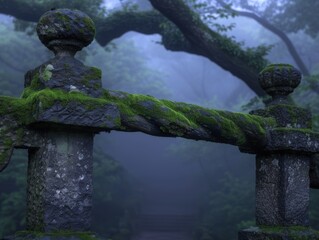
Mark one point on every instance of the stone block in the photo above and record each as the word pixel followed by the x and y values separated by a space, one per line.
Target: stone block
pixel 278 233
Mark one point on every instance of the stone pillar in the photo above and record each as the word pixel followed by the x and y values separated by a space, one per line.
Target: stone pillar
pixel 60 182
pixel 282 167
pixel 282 189
pixel 59 192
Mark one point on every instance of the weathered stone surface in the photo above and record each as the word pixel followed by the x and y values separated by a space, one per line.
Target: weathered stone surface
pixel 287 116
pixel 75 114
pixel 65 32
pixel 66 73
pixel 60 182
pixel 293 140
pixel 65 27
pixel 279 80
pixel 13 133
pixel 278 233
pixel 282 189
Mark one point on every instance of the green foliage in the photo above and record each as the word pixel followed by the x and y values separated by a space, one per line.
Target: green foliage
pixel 306 95
pixel 114 201
pixel 212 14
pixel 19 54
pixel 228 198
pixel 296 15
pixel 129 6
pixel 93 8
pixel 226 210
pixel 32 235
pixel 314 209
pixel 125 69
pixel 13 194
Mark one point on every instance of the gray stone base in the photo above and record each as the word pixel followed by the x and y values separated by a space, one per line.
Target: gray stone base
pixel 278 233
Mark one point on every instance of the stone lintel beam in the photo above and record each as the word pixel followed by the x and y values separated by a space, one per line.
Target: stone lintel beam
pixel 132 112
pixel 13 132
pixel 123 112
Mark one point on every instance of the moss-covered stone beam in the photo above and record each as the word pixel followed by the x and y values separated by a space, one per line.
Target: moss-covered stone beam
pixel 22 118
pixel 133 112
pixel 15 113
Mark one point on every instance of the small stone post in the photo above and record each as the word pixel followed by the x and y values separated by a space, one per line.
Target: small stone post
pixel 282 167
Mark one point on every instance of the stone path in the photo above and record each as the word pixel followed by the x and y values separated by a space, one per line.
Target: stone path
pixel 162 236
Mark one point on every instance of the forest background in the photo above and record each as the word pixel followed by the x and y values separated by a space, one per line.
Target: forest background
pixel 157 52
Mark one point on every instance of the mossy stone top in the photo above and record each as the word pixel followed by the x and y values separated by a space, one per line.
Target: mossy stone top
pixel 279 80
pixel 65 28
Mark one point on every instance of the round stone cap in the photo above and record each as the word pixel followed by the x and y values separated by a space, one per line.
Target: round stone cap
pixel 65 28
pixel 279 79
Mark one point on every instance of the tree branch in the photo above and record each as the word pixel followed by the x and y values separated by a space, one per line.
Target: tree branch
pixel 218 49
pixel 191 34
pixel 291 48
pixel 23 10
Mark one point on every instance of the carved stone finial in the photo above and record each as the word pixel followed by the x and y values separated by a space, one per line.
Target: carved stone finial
pixel 65 30
pixel 279 80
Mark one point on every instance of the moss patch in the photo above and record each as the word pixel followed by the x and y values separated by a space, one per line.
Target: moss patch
pixel 234 128
pixel 294 232
pixel 56 234
pixel 94 74
pixel 272 67
pixel 89 24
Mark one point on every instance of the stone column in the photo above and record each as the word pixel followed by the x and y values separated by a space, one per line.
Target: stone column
pixel 59 192
pixel 282 167
pixel 282 189
pixel 60 182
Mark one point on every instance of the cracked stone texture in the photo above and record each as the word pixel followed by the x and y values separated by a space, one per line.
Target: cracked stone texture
pixel 60 182
pixel 76 114
pixel 282 189
pixel 290 139
pixel 65 73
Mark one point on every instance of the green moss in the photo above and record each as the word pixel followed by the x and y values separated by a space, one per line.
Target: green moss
pixel 272 67
pixel 94 74
pixel 47 74
pixel 178 118
pixel 289 113
pixel 80 235
pixel 89 23
pixel 294 232
pixel 35 82
pixel 18 109
pixel 6 147
pixel 48 97
pixel 64 19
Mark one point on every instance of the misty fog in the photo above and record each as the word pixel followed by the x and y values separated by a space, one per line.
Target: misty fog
pixel 170 176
